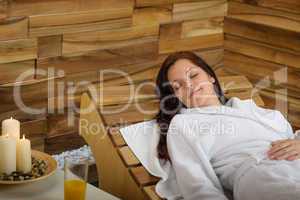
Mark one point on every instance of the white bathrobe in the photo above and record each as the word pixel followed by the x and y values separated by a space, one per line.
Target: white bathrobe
pixel 217 146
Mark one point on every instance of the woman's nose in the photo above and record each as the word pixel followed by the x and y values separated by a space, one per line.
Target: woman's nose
pixel 189 88
pixel 189 85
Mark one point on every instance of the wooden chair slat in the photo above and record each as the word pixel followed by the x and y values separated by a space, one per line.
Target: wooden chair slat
pixel 128 156
pixel 142 177
pixel 117 137
pixel 150 192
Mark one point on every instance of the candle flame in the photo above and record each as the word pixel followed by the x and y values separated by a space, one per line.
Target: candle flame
pixel 23 137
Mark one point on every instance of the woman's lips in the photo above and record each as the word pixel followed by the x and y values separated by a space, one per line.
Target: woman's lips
pixel 195 91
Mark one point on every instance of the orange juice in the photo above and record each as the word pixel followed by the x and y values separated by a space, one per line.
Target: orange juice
pixel 75 189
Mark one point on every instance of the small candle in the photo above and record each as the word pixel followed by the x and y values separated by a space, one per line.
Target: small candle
pixel 11 127
pixel 7 154
pixel 23 155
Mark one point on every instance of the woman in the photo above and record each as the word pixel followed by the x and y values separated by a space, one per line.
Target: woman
pixel 186 82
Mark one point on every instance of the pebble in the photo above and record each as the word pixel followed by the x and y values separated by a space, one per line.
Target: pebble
pixel 39 168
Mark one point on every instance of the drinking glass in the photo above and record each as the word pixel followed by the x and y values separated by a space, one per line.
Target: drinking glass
pixel 75 178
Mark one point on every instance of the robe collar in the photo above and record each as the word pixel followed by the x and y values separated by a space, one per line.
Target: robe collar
pixel 246 109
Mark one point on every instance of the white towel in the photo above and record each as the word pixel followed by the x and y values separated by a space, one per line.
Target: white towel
pixel 142 138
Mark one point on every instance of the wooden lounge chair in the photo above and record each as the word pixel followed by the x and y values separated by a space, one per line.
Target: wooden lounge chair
pixel 119 171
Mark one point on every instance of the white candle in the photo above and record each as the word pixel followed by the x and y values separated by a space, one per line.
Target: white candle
pixel 7 154
pixel 23 155
pixel 11 127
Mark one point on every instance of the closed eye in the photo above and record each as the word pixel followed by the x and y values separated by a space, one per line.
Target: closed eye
pixel 193 75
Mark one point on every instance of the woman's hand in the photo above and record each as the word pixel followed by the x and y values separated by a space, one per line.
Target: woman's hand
pixel 287 149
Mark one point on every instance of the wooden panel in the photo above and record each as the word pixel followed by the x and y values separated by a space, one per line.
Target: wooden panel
pixel 213 25
pixel 131 59
pixel 291 102
pixel 81 17
pixel 101 25
pixel 221 71
pixel 35 131
pixel 279 102
pixel 31 90
pixel 53 17
pixel 234 83
pixel 112 95
pixel 257 69
pixel 159 14
pixel 48 7
pixel 58 144
pixel 156 3
pixel 213 57
pixel 131 113
pixel 13 28
pixel 261 33
pixel 236 8
pixel 248 94
pixel 139 32
pixel 190 43
pixel 3 9
pixel 266 17
pixel 261 51
pixel 18 50
pixel 199 10
pixel 50 46
pixel 21 114
pixel 148 3
pixel 292 6
pixel 9 72
pixel 60 124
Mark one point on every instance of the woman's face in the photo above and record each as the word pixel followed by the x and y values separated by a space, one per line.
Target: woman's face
pixel 192 85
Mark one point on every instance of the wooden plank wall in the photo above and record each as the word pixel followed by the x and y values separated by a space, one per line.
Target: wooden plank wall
pixel 64 42
pixel 262 41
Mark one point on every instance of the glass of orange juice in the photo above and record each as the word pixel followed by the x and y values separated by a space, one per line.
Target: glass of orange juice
pixel 76 172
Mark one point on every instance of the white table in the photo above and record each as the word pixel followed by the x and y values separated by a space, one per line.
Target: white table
pixel 51 188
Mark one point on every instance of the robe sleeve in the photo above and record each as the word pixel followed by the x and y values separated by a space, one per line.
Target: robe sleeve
pixel 289 130
pixel 194 173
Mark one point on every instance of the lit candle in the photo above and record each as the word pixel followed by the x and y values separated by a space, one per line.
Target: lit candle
pixel 7 154
pixel 11 127
pixel 23 155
